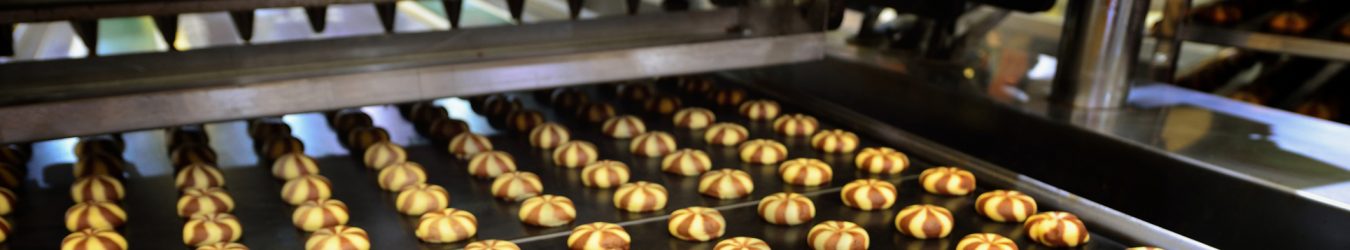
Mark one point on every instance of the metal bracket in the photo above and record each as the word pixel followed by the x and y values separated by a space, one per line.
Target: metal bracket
pixel 318 18
pixel 88 32
pixel 243 22
pixel 386 12
pixel 168 28
pixel 452 11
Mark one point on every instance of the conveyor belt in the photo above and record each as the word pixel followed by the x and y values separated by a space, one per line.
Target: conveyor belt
pixel 264 216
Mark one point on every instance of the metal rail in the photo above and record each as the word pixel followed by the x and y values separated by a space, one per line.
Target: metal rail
pixel 1309 47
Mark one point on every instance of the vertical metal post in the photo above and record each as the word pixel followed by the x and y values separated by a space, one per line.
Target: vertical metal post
pixel 243 23
pixel 867 31
pixel 6 39
pixel 743 18
pixel 1098 51
pixel 318 18
pixel 453 8
pixel 168 29
pixel 633 7
pixel 574 8
pixel 517 8
pixel 1168 47
pixel 88 32
pixel 387 13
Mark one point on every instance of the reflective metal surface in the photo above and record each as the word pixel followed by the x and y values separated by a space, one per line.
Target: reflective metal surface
pixel 154 226
pixel 1101 39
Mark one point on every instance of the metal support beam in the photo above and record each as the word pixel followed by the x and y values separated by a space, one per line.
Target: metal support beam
pixel 167 108
pixel 1097 52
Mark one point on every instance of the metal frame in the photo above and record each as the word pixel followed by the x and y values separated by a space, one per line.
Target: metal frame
pixel 118 93
pixel 121 113
pixel 34 81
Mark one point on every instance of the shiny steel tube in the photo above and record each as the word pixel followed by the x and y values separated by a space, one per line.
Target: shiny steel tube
pixel 1097 52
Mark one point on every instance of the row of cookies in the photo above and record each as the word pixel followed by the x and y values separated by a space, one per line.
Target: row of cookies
pixel 204 203
pixel 442 224
pixel 97 215
pixel 316 212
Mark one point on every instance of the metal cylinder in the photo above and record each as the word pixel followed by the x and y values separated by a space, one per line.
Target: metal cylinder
pixel 1097 52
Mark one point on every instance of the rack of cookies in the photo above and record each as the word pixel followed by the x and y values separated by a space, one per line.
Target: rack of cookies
pixel 679 163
